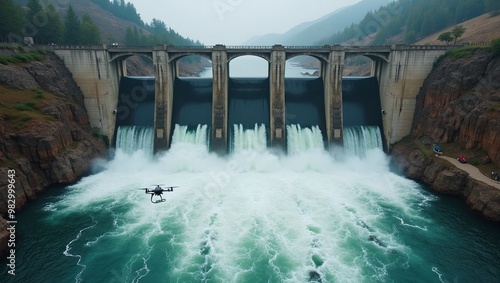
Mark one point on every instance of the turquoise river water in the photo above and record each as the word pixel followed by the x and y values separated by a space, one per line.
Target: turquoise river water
pixel 253 216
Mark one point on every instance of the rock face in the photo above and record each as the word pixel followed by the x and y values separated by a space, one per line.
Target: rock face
pixel 459 102
pixel 46 152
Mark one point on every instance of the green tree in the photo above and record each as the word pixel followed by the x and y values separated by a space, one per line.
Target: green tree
pixel 457 32
pixel 34 7
pixel 495 46
pixel 90 33
pixel 446 37
pixel 134 37
pixel 71 27
pixel 129 36
pixel 10 21
pixel 54 31
pixel 35 20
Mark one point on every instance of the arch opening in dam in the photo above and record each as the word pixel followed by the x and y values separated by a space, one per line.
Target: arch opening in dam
pixel 304 97
pixel 134 112
pixel 192 94
pixel 361 94
pixel 248 66
pixel 248 99
pixel 138 65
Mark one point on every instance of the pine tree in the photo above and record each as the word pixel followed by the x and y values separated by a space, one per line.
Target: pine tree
pixel 71 27
pixel 495 46
pixel 54 31
pixel 10 21
pixel 35 20
pixel 129 36
pixel 90 33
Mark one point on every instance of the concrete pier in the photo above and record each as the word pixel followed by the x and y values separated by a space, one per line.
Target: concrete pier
pixel 277 97
pixel 220 97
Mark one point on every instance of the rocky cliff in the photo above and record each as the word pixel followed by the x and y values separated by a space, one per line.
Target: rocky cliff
pixel 458 103
pixel 45 135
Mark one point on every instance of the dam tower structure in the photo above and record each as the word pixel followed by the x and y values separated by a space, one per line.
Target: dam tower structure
pixel 98 75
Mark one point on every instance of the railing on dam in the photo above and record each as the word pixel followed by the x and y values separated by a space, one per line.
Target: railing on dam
pixel 255 48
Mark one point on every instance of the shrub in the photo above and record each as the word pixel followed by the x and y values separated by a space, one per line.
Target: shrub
pixel 39 93
pixel 25 106
pixel 474 162
pixel 4 59
pixel 495 46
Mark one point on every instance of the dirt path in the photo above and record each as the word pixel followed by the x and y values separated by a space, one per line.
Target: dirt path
pixel 473 171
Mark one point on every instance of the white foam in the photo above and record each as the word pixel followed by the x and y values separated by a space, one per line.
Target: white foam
pixel 230 213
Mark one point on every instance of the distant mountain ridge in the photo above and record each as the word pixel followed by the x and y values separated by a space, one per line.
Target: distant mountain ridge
pixel 308 33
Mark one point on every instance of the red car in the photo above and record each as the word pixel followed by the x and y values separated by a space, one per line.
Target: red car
pixel 462 159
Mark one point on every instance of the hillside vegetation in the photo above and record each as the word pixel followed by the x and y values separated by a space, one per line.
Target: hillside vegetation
pixel 82 22
pixel 407 21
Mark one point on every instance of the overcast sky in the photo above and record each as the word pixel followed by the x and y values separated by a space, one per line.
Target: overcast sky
pixel 232 22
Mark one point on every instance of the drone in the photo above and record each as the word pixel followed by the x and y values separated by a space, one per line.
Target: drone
pixel 158 191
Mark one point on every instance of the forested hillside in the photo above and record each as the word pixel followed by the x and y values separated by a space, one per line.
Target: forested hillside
pixel 415 19
pixel 82 22
pixel 158 32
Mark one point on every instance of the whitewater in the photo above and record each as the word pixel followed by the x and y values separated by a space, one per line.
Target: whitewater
pixel 255 215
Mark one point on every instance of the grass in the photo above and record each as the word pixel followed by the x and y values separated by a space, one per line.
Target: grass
pixel 18 108
pixel 459 53
pixel 22 57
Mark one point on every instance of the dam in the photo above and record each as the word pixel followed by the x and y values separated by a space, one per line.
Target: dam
pixel 397 73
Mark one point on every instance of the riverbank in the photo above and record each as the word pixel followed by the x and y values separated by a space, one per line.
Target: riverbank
pixel 472 171
pixel 444 176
